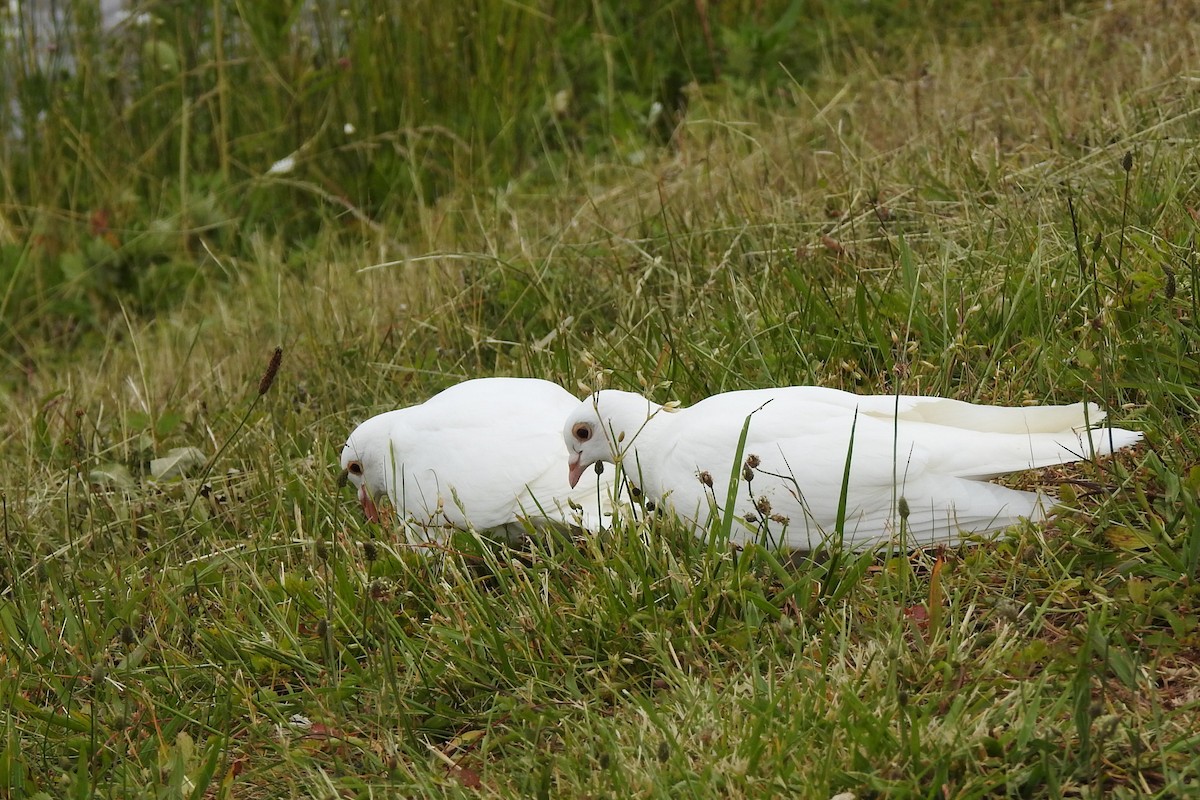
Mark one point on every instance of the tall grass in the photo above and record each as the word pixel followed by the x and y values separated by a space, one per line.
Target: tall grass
pixel 921 216
pixel 131 151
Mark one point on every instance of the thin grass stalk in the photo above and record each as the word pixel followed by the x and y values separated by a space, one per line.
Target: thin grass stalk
pixel 221 124
pixel 735 475
pixel 264 385
pixel 839 525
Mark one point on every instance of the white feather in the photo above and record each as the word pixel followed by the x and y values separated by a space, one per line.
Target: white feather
pixel 933 452
pixel 483 454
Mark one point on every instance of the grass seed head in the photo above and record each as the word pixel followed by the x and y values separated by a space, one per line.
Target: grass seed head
pixel 268 377
pixel 128 637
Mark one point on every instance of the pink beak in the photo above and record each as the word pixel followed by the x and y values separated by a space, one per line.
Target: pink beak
pixel 368 505
pixel 576 469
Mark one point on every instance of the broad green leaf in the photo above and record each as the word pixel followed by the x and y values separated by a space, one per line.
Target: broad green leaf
pixel 178 462
pixel 112 476
pixel 1129 539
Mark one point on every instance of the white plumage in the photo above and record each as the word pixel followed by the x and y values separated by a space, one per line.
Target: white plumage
pixel 934 453
pixel 484 454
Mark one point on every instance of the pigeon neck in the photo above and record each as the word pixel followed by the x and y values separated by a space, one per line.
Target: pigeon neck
pixel 634 422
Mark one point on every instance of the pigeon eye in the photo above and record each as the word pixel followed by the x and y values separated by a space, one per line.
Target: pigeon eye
pixel 354 468
pixel 582 431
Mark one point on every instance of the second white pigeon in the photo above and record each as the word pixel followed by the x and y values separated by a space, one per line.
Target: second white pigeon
pixel 918 466
pixel 484 454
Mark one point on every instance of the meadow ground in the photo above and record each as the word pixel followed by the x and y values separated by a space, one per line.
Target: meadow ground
pixel 193 607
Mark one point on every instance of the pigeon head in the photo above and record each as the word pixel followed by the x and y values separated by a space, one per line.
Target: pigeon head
pixel 603 428
pixel 364 462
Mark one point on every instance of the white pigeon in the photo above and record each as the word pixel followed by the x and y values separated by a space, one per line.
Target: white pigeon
pixel 484 454
pixel 919 465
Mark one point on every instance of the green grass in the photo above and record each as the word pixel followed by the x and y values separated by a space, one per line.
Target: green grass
pixel 935 213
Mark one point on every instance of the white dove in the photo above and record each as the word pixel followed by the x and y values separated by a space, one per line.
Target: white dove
pixel 919 465
pixel 484 454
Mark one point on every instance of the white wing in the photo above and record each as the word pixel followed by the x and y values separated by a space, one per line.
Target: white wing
pixel 928 454
pixel 488 453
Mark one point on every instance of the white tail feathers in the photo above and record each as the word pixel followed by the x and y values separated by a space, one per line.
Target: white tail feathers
pixel 996 419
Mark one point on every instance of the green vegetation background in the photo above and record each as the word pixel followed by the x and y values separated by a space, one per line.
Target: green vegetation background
pixel 991 201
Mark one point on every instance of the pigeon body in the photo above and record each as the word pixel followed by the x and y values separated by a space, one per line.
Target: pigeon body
pixel 917 465
pixel 483 454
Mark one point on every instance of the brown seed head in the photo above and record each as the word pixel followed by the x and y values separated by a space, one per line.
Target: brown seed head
pixel 128 637
pixel 272 370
